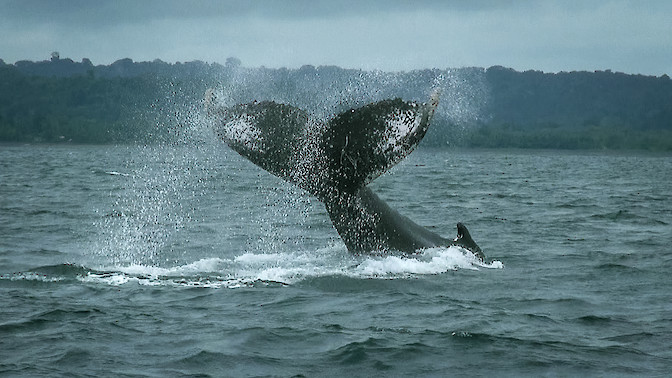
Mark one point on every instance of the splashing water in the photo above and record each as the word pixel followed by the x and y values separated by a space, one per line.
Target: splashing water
pixel 323 92
pixel 266 228
pixel 163 182
pixel 287 268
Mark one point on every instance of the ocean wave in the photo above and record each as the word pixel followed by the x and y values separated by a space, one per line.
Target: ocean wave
pixel 265 269
pixel 431 261
pixel 47 273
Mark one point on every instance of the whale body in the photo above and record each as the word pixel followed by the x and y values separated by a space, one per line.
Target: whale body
pixel 336 160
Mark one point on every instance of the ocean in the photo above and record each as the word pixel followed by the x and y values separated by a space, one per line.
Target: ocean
pixel 185 259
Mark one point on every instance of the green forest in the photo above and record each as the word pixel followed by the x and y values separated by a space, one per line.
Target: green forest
pixel 62 101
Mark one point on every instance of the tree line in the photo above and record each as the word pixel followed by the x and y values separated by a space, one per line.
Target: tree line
pixel 60 100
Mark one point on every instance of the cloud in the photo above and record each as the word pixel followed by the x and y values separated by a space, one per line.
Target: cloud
pixel 78 12
pixel 389 35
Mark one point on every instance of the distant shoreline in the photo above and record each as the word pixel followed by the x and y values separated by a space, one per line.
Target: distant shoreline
pixel 497 107
pixel 421 147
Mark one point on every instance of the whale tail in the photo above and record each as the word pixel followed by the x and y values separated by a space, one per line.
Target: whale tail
pixel 335 161
pixel 343 155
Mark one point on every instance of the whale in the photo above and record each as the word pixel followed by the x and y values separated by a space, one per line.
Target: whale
pixel 335 161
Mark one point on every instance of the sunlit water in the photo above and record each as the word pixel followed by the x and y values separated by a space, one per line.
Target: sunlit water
pixel 175 260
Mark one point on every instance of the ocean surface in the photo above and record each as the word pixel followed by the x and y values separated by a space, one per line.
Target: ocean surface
pixel 185 259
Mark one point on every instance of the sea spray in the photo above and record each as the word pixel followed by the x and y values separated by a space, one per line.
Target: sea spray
pixel 165 177
pixel 168 180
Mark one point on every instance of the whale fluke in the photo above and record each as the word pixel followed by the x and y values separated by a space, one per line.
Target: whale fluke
pixel 361 144
pixel 336 160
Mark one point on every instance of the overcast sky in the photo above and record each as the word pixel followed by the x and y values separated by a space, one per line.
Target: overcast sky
pixel 566 35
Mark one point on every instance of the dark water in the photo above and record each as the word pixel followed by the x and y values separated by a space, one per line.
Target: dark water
pixel 181 261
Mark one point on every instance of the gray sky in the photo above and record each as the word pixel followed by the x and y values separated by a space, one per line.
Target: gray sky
pixel 566 35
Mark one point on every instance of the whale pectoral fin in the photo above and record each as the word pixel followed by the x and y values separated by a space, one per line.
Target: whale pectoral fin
pixel 464 240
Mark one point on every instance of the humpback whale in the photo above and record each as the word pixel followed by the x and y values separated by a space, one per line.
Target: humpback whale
pixel 336 160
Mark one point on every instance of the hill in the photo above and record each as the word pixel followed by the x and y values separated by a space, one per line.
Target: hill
pixel 62 100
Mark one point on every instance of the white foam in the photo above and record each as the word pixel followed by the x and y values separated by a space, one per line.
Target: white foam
pixel 31 276
pixel 255 259
pixel 495 264
pixel 287 268
pixel 115 173
pixel 200 266
pixel 431 261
